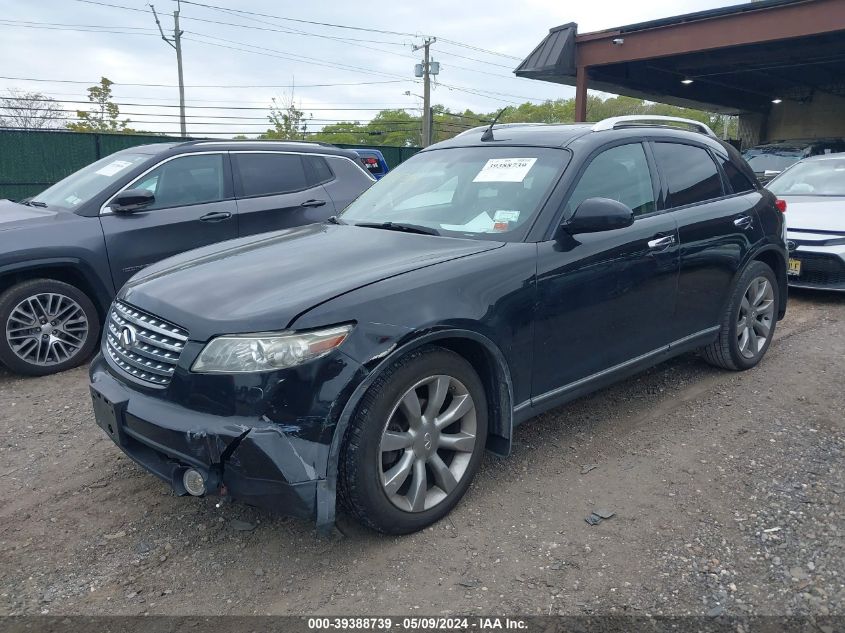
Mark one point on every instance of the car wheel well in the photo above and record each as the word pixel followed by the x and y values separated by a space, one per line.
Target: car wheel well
pixel 65 274
pixel 495 386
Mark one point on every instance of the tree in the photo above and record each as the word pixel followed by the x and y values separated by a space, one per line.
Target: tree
pixel 289 122
pixel 400 128
pixel 104 115
pixel 30 111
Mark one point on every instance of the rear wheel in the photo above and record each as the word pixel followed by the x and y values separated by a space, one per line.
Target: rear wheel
pixel 48 326
pixel 748 323
pixel 415 443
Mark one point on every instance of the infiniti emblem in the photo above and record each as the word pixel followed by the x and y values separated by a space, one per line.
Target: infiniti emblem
pixel 128 336
pixel 427 441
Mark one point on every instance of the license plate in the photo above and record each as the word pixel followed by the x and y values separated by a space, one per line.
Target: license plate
pixel 794 267
pixel 108 411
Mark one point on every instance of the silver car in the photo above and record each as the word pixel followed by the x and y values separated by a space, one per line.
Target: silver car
pixel 814 192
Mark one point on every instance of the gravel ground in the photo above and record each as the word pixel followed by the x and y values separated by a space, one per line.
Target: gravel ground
pixel 727 491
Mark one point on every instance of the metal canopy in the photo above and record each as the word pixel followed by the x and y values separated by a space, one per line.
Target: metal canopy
pixel 739 59
pixel 554 57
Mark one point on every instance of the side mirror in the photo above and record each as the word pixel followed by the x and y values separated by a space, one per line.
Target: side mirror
pixel 598 214
pixel 771 173
pixel 132 200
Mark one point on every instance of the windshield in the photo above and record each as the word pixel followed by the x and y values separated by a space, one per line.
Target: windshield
pixel 769 161
pixel 479 192
pixel 812 178
pixel 82 185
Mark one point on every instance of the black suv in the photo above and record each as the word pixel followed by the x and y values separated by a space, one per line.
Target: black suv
pixel 372 358
pixel 65 254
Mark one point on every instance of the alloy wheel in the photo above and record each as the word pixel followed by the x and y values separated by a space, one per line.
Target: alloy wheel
pixel 756 315
pixel 427 443
pixel 47 329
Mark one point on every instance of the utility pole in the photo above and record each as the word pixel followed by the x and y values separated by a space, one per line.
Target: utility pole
pixel 426 73
pixel 176 43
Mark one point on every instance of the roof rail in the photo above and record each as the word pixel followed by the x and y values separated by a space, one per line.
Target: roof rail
pixel 632 120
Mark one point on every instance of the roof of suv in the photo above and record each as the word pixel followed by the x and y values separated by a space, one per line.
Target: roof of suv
pixel 561 135
pixel 248 145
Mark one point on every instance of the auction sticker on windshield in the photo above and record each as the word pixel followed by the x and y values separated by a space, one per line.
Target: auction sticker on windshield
pixel 505 170
pixel 113 167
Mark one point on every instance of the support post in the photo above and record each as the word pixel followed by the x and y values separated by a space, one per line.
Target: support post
pixel 581 94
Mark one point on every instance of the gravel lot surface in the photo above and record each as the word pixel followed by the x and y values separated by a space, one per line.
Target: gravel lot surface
pixel 727 491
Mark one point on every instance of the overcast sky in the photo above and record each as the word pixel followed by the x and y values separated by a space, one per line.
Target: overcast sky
pixel 37 43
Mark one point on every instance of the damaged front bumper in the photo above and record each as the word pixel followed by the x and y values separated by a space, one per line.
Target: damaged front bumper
pixel 250 459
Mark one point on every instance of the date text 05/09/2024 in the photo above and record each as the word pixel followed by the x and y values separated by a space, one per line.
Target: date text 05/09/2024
pixel 481 624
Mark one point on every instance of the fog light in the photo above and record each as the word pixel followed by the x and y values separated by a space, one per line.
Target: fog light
pixel 194 482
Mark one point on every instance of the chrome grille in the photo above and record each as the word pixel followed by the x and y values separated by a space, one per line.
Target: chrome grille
pixel 154 345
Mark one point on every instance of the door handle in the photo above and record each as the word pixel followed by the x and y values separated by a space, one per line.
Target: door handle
pixel 313 203
pixel 216 216
pixel 743 222
pixel 660 243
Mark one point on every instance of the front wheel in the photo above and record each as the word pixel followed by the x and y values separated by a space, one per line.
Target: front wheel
pixel 748 323
pixel 48 326
pixel 415 442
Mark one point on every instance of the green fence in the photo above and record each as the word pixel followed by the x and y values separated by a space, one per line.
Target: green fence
pixel 32 161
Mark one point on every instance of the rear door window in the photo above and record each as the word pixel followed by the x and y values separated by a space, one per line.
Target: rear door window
pixel 739 182
pixel 690 173
pixel 268 174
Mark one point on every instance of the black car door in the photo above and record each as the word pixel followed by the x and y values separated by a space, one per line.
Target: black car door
pixel 604 299
pixel 716 229
pixel 193 207
pixel 277 190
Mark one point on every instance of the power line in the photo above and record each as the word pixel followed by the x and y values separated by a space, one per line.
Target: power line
pixel 233 86
pixel 87 26
pixel 171 105
pixel 269 52
pixel 313 22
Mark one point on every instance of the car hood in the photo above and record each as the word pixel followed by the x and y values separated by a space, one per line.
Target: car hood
pixel 16 216
pixel 263 283
pixel 815 213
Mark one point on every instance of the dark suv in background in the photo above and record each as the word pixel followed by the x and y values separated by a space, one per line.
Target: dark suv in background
pixel 489 278
pixel 65 252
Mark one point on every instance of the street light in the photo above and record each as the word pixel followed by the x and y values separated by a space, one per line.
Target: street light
pixel 408 93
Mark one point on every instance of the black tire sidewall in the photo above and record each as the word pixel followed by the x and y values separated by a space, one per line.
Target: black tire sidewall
pixel 14 295
pixel 381 513
pixel 755 269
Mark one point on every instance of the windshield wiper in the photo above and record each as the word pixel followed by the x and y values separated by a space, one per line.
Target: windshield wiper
pixel 400 226
pixel 36 203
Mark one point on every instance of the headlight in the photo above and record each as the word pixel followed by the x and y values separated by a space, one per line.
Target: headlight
pixel 242 353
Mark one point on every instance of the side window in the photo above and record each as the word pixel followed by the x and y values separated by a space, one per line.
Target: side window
pixel 620 173
pixel 186 180
pixel 739 181
pixel 317 169
pixel 268 174
pixel 690 173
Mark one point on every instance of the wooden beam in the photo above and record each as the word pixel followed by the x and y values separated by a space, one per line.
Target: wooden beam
pixel 581 94
pixel 802 19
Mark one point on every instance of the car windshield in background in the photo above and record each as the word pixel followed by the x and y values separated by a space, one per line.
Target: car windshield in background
pixel 812 178
pixel 81 186
pixel 480 192
pixel 770 161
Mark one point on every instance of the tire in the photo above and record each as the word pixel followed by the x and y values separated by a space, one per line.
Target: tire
pixel 738 347
pixel 67 319
pixel 382 442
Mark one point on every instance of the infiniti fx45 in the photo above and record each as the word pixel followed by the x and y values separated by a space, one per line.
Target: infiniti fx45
pixel 368 361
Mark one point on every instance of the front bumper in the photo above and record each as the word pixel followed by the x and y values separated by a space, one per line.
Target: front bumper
pixel 822 268
pixel 248 458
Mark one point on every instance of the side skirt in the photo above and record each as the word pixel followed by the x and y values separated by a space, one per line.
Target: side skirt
pixel 561 395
